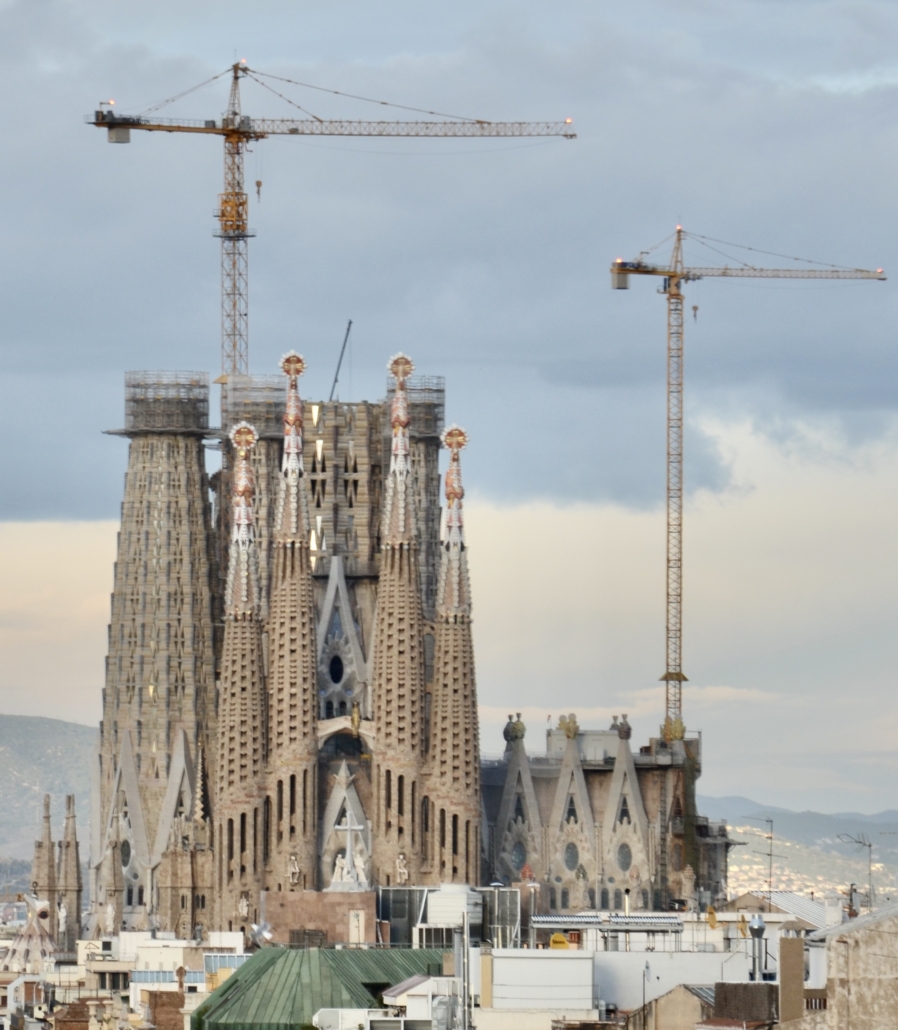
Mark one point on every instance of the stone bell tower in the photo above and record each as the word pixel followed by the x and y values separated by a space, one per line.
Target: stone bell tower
pixel 451 809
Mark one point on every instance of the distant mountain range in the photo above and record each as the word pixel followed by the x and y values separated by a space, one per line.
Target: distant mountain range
pixel 813 829
pixel 42 756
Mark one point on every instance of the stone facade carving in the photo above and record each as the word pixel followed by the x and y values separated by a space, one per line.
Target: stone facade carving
pixel 597 820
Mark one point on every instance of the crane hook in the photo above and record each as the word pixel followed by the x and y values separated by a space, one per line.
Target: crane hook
pixel 259 188
pixel 695 312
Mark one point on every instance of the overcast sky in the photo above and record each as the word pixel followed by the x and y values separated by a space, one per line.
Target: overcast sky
pixel 769 123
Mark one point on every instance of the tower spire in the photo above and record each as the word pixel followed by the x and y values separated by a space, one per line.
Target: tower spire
pixel 398 660
pixel 292 660
pixel 454 750
pixel 242 712
pixel 242 592
pixel 399 516
pixel 454 590
pixel 43 870
pixel 292 513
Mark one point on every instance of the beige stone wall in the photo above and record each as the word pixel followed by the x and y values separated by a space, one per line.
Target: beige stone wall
pixel 862 988
pixel 341 915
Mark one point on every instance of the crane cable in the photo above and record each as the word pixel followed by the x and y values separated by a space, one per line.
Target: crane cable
pixel 368 100
pixel 178 96
pixel 757 250
pixel 281 95
pixel 253 73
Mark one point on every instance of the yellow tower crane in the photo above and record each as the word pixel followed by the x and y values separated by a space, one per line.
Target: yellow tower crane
pixel 674 275
pixel 238 130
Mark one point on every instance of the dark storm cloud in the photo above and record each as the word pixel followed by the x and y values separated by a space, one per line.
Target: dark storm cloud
pixel 767 123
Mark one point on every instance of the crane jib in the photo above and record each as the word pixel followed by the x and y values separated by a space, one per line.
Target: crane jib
pixel 237 130
pixel 259 128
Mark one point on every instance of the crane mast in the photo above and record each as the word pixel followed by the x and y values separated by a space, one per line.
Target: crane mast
pixel 675 274
pixel 673 674
pixel 233 219
pixel 238 130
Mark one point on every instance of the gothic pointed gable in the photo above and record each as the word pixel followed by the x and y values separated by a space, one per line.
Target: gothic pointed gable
pixel 338 637
pixel 519 827
pixel 179 796
pixel 625 830
pixel 126 784
pixel 571 797
pixel 624 804
pixel 343 807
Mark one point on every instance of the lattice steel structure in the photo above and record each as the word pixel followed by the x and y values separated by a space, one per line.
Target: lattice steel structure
pixel 166 402
pixel 237 131
pixel 674 275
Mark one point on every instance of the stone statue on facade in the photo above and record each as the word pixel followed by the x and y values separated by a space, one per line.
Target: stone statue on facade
pixel 110 919
pixel 62 915
pixel 624 729
pixel 568 724
pixel 243 906
pixel 401 869
pixel 293 870
pixel 340 870
pixel 358 861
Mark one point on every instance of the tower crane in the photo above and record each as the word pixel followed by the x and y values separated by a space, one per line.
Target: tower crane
pixel 237 131
pixel 674 275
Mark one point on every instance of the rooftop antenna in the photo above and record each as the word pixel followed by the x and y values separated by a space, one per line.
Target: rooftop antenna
pixel 340 362
pixel 862 841
pixel 769 853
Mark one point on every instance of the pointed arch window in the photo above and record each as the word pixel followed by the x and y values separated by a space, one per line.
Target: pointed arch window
pixel 571 810
pixel 624 813
pixel 519 809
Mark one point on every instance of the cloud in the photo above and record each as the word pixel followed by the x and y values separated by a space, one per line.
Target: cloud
pixel 55 583
pixel 487 262
pixel 708 697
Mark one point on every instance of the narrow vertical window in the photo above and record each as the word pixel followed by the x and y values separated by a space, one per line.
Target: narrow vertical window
pixel 266 830
pixel 413 809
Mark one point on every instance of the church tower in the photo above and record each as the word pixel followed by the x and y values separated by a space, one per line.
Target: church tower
pixel 43 869
pixel 291 829
pixel 242 714
pixel 158 701
pixel 397 678
pixel 451 811
pixel 69 884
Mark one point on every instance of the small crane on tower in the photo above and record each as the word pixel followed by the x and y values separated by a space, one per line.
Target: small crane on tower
pixel 674 275
pixel 238 130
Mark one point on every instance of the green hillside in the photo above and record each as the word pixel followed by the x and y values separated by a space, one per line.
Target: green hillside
pixel 40 756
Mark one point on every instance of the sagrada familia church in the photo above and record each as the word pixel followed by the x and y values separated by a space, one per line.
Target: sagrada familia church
pixel 290 700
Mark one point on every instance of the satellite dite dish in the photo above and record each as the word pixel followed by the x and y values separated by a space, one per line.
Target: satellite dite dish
pixel 260 934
